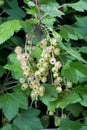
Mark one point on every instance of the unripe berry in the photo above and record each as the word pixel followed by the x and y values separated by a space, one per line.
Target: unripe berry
pixel 69 84
pixel 59 89
pixel 42 70
pixel 51 48
pixel 24 86
pixel 18 49
pixel 51 113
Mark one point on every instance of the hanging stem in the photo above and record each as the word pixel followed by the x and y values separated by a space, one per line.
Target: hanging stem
pixel 39 24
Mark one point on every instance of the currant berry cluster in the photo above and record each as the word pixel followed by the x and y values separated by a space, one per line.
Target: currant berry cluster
pixel 36 73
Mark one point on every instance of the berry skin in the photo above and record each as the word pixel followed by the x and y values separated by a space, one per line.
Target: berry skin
pixel 24 86
pixel 18 49
pixel 59 89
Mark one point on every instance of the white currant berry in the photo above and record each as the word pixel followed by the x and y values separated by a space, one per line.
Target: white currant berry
pixel 54 70
pixel 37 74
pixel 35 88
pixel 43 79
pixel 45 65
pixel 24 86
pixel 59 89
pixel 55 75
pixel 22 80
pixel 18 49
pixel 41 60
pixel 26 73
pixel 52 60
pixel 59 79
pixel 25 56
pixel 51 48
pixel 19 57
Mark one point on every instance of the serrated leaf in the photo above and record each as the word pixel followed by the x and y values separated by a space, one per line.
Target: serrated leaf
pixel 75 54
pixel 80 67
pixel 70 98
pixel 51 11
pixel 82 91
pixel 10 103
pixel 8 28
pixel 68 32
pixel 78 6
pixel 28 120
pixel 66 124
pixel 69 73
pixel 13 10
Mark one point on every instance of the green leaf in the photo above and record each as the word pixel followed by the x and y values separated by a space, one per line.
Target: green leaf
pixel 75 54
pixel 13 10
pixel 8 28
pixel 80 27
pixel 75 109
pixel 14 66
pixel 67 32
pixel 28 120
pixel 36 53
pixel 79 66
pixel 50 93
pixel 69 73
pixel 82 91
pixel 10 103
pixel 7 127
pixel 78 6
pixel 83 49
pixel 66 124
pixel 70 98
pixel 51 11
